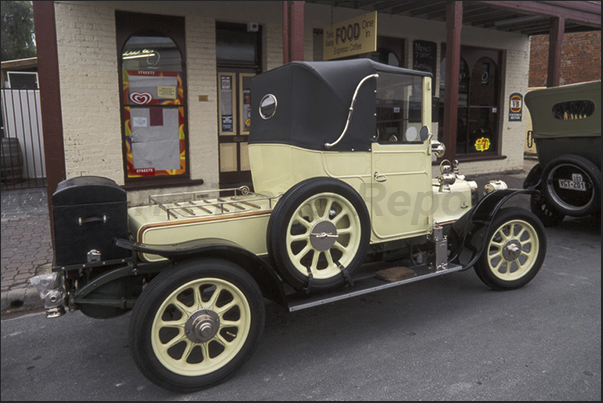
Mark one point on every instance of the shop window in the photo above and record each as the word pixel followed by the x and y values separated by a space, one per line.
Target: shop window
pixel 478 101
pixel 153 106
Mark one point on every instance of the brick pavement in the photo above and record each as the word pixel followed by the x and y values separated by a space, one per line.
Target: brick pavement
pixel 26 245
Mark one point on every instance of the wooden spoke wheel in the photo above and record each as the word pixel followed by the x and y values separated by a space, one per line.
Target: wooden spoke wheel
pixel 195 324
pixel 515 250
pixel 317 230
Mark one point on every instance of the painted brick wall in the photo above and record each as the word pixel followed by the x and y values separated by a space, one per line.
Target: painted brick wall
pixel 580 58
pixel 272 46
pixel 89 91
pixel 202 115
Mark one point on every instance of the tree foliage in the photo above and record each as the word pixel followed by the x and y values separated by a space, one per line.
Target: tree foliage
pixel 17 30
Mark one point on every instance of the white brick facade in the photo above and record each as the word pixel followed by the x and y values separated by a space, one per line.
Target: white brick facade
pixel 90 90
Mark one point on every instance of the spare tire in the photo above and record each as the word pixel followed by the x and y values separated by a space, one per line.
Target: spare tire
pixel 572 185
pixel 318 234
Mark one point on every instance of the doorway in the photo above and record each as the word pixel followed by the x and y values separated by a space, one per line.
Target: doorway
pixel 238 60
pixel 234 124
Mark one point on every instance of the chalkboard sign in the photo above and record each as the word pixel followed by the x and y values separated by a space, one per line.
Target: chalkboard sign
pixel 424 56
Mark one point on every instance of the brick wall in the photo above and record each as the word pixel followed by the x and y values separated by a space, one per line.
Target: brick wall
pixel 580 58
pixel 202 115
pixel 272 46
pixel 89 91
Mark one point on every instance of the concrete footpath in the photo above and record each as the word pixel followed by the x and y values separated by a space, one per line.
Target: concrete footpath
pixel 27 246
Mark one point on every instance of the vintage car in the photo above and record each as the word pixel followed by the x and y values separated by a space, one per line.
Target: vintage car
pixel 341 157
pixel 567 131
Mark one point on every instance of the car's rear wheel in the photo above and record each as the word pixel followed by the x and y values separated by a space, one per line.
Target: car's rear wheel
pixel 195 324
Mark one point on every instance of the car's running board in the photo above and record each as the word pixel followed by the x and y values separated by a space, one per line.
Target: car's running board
pixel 297 302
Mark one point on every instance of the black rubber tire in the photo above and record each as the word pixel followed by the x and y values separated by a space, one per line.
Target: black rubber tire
pixel 225 276
pixel 523 228
pixel 281 218
pixel 573 203
pixel 547 215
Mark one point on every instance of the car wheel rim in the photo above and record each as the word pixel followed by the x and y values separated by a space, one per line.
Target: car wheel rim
pixel 200 327
pixel 323 235
pixel 513 250
pixel 570 187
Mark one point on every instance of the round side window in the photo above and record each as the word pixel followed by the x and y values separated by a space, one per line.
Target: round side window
pixel 268 106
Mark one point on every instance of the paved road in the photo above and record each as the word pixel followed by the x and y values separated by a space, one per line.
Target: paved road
pixel 447 338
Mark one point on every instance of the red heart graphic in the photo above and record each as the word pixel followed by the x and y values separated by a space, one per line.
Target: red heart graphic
pixel 141 97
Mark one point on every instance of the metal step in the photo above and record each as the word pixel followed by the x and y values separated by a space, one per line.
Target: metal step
pixel 297 302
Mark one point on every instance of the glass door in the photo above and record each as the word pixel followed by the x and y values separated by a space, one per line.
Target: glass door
pixel 234 125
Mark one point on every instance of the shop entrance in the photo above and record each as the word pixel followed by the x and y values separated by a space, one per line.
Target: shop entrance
pixel 234 124
pixel 238 59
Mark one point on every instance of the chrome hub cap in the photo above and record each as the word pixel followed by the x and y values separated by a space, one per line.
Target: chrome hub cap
pixel 323 236
pixel 512 250
pixel 202 326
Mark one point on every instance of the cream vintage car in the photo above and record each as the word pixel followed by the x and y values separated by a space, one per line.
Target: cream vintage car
pixel 341 157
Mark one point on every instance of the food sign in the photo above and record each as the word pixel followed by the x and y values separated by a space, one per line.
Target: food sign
pixel 351 37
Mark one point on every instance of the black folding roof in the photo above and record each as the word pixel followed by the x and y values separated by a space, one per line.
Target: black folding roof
pixel 313 101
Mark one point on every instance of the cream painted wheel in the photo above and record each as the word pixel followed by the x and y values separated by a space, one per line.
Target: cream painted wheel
pixel 323 233
pixel 200 327
pixel 195 324
pixel 515 250
pixel 318 231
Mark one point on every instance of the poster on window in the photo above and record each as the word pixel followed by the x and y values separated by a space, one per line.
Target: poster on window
pixel 155 141
pixel 149 87
pixel 246 110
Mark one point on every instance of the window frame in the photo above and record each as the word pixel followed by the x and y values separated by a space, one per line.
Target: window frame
pixel 129 24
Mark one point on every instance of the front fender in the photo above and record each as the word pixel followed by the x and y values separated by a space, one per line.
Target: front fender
pixel 468 234
pixel 533 178
pixel 261 271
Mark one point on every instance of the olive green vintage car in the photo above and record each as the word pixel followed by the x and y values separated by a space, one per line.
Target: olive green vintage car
pixel 567 132
pixel 341 157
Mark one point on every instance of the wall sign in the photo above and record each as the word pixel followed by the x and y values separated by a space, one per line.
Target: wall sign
pixel 351 37
pixel 424 56
pixel 515 107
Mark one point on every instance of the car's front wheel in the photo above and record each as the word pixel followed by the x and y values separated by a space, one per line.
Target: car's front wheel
pixel 514 252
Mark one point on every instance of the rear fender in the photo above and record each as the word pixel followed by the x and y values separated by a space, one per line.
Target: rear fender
pixel 467 235
pixel 261 271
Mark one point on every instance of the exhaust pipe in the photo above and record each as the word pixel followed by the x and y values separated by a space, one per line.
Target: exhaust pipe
pixel 52 292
